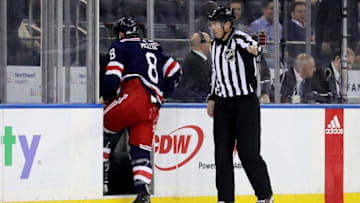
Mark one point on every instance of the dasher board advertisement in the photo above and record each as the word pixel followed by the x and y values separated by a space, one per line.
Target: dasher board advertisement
pixel 51 153
pixel 292 144
pixel 55 153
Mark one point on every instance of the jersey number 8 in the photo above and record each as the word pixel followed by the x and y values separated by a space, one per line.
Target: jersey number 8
pixel 151 61
pixel 152 72
pixel 112 54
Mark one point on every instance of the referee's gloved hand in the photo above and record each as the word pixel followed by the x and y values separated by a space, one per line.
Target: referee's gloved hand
pixel 252 49
pixel 210 108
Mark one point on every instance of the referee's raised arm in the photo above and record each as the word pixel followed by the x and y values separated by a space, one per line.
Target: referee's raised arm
pixel 233 104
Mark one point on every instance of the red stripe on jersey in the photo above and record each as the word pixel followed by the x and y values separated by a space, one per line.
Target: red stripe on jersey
pixel 157 94
pixel 114 68
pixel 106 155
pixel 171 66
pixel 143 173
pixel 130 39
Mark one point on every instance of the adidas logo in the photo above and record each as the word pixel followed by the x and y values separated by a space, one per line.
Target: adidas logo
pixel 334 127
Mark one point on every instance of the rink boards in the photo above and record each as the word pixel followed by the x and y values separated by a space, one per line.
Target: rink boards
pixel 57 154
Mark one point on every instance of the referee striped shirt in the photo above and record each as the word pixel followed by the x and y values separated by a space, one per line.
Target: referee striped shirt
pixel 233 67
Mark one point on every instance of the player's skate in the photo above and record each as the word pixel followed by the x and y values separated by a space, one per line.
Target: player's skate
pixel 142 198
pixel 268 200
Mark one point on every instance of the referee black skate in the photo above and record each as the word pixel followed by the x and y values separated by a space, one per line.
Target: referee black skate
pixel 235 107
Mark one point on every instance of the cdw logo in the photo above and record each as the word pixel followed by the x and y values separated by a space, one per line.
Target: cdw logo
pixel 178 147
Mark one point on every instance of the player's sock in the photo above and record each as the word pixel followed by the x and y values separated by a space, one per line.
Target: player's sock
pixel 142 169
pixel 110 140
pixel 106 167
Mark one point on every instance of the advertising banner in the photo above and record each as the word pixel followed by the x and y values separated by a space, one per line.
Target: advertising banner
pixel 302 147
pixel 312 155
pixel 353 83
pixel 184 165
pixel 334 155
pixel 184 152
pixel 51 154
pixel 78 79
pixel 24 84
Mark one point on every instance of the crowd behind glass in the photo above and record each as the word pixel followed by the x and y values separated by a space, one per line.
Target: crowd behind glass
pixel 176 20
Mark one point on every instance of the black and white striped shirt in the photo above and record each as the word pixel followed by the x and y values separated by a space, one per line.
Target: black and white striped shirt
pixel 233 67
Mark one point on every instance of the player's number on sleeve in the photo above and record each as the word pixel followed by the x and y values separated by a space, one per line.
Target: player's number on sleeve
pixel 112 54
pixel 152 72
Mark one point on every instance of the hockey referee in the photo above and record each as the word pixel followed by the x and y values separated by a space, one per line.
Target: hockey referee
pixel 235 107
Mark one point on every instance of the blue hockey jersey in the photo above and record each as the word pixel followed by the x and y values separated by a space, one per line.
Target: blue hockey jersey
pixel 135 57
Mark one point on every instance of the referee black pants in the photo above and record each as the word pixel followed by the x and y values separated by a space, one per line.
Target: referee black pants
pixel 238 120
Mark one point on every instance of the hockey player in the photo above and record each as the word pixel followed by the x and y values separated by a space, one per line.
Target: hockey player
pixel 137 78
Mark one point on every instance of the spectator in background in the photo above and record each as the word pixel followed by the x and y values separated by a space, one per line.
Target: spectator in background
pixel 296 28
pixel 294 80
pixel 240 21
pixel 266 23
pixel 194 86
pixel 201 23
pixel 314 9
pixel 328 29
pixel 326 82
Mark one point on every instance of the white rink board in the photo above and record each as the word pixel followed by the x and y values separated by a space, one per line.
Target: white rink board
pixel 352 150
pixel 188 180
pixel 292 144
pixel 68 160
pixel 294 149
pixel 1 155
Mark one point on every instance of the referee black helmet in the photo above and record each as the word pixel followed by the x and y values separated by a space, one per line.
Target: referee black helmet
pixel 127 25
pixel 221 14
